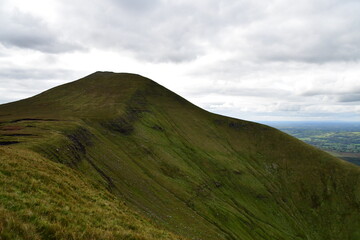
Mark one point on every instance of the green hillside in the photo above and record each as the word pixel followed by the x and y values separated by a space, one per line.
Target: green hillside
pixel 45 200
pixel 194 173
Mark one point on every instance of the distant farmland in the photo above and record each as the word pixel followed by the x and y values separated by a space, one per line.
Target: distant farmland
pixel 340 139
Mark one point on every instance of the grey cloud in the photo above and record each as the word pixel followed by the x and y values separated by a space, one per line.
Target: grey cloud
pixel 344 96
pixel 23 30
pixel 165 31
pixel 315 92
pixel 289 116
pixel 319 32
pixel 180 31
pixel 285 107
pixel 239 91
pixel 350 98
pixel 135 5
pixel 292 115
pixel 34 73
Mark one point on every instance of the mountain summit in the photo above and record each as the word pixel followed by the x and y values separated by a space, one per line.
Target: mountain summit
pixel 197 174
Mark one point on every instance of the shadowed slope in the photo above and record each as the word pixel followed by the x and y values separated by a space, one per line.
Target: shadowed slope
pixel 201 175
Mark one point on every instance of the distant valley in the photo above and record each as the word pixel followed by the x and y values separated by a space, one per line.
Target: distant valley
pixel 341 139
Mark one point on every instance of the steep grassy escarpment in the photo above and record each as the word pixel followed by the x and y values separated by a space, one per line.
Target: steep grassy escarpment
pixel 200 175
pixel 44 200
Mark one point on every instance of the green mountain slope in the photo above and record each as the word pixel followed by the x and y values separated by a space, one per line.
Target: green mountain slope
pixel 41 199
pixel 197 174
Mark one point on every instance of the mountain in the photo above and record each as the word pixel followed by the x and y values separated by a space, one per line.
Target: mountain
pixel 176 166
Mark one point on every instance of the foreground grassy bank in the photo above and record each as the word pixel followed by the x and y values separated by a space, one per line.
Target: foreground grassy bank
pixel 40 199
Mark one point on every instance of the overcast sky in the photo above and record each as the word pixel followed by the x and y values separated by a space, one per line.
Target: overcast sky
pixel 250 59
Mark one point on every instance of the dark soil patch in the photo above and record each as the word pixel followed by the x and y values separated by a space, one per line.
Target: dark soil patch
pixel 11 128
pixel 158 128
pixel 33 119
pixel 238 172
pixel 18 135
pixel 5 143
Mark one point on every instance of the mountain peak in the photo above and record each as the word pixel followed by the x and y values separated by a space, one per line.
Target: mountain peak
pixel 100 94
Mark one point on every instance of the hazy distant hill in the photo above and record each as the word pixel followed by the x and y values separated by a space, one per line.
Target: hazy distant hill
pixel 194 173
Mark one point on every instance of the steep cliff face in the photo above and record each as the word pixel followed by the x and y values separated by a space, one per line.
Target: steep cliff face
pixel 198 174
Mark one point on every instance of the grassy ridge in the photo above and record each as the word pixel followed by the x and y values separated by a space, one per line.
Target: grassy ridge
pixel 44 200
pixel 200 175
